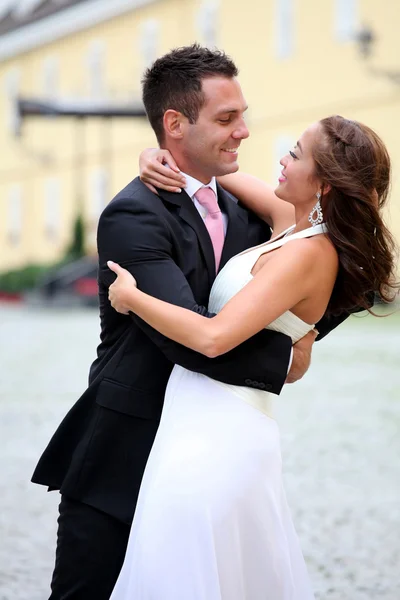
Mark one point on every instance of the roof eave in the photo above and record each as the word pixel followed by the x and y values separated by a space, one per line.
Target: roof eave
pixel 64 23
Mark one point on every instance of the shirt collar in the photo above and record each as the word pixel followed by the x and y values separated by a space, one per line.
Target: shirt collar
pixel 193 185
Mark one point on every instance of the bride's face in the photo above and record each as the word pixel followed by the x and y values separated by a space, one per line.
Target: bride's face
pixel 297 183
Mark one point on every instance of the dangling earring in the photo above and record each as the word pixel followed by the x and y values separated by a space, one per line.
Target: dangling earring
pixel 316 212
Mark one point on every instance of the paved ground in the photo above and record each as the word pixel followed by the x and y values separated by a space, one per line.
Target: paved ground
pixel 341 440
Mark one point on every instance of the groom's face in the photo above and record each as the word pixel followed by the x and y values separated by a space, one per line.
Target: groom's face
pixel 211 144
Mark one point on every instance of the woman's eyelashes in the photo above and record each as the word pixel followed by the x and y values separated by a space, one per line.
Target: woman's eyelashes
pixel 293 155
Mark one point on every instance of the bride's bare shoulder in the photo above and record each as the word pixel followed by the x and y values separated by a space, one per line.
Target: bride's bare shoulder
pixel 308 254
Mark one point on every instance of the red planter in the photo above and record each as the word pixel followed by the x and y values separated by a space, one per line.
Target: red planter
pixel 10 297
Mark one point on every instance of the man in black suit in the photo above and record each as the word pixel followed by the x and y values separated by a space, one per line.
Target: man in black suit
pixel 98 454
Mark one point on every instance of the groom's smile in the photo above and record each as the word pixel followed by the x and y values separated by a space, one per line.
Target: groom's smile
pixel 211 144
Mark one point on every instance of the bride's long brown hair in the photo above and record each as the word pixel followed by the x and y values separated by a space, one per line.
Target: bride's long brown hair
pixel 354 161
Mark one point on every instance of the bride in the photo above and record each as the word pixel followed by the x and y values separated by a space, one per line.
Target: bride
pixel 212 521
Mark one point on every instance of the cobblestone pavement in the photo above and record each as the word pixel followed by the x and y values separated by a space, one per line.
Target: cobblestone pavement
pixel 340 434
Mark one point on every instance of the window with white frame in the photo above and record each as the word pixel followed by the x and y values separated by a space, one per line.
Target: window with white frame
pixel 99 184
pixel 52 208
pixel 346 19
pixel 12 84
pixel 96 68
pixel 50 76
pixel 14 215
pixel 283 144
pixel 208 21
pixel 149 42
pixel 284 28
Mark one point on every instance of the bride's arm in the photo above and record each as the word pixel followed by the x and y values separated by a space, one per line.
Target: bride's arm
pixel 287 280
pixel 260 198
pixel 254 193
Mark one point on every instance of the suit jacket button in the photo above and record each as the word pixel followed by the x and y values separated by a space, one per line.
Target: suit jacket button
pixel 268 387
pixel 248 382
pixel 261 386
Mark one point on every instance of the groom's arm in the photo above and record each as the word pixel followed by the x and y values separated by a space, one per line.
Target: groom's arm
pixel 139 240
pixel 302 349
pixel 330 322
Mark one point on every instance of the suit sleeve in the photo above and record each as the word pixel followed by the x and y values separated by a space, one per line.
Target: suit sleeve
pixel 329 322
pixel 141 242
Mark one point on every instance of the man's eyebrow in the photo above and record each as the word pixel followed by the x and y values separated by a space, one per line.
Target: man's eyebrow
pixel 227 110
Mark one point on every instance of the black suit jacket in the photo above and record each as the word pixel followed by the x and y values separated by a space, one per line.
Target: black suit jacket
pixel 99 452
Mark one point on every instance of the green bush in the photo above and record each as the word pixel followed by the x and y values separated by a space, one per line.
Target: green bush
pixel 77 247
pixel 21 279
pixel 27 277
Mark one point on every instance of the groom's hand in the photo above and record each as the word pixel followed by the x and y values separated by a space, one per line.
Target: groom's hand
pixel 301 357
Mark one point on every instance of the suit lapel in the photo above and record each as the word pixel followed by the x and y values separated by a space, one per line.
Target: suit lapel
pixel 236 234
pixel 188 212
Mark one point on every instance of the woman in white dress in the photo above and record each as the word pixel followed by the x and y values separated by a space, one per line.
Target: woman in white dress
pixel 212 522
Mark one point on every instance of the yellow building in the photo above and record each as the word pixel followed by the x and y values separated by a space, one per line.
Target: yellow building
pixel 299 61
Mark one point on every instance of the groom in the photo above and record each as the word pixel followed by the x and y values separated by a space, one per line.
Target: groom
pixel 97 456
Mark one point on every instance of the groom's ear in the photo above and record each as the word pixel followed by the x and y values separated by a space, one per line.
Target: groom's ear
pixel 174 124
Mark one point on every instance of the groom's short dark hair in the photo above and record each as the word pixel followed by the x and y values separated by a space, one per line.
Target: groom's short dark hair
pixel 174 81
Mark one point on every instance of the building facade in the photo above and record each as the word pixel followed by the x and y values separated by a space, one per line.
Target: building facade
pixel 299 61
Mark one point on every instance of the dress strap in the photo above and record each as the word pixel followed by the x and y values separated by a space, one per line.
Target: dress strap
pixel 309 231
pixel 304 233
pixel 287 237
pixel 280 235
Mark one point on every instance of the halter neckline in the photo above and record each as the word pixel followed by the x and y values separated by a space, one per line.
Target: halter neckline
pixel 308 232
pixel 285 236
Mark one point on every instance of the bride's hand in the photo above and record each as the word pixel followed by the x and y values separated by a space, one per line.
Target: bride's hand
pixel 155 173
pixel 118 291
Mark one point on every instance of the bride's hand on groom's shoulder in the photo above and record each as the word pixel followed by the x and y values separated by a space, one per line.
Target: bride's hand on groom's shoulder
pixel 301 357
pixel 120 291
pixel 158 169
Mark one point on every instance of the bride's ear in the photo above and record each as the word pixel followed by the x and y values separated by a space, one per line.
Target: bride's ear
pixel 325 188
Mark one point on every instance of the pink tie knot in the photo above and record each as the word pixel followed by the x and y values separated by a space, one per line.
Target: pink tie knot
pixel 207 198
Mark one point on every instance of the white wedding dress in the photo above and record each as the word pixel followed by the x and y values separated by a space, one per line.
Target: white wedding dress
pixel 212 521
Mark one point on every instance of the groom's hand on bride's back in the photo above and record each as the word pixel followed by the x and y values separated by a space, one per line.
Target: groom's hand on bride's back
pixel 301 357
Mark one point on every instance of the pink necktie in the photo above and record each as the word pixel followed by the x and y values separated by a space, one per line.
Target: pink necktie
pixel 213 221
